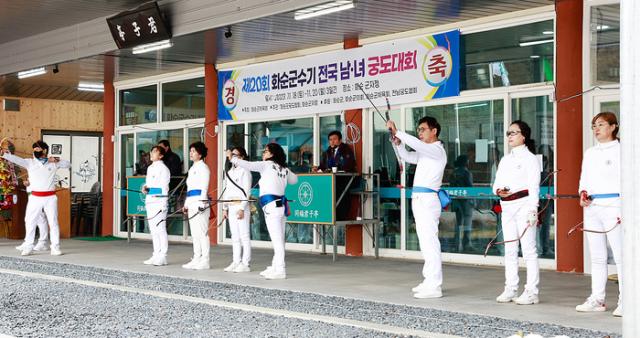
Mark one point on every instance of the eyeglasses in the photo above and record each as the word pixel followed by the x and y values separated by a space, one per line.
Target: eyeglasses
pixel 599 125
pixel 513 132
pixel 421 130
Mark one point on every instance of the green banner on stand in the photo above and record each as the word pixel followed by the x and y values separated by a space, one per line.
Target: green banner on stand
pixel 313 198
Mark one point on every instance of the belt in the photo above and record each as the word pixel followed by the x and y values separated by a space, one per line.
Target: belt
pixel 594 196
pixel 154 191
pixel 266 199
pixel 515 196
pixel 423 189
pixel 43 193
pixel 195 192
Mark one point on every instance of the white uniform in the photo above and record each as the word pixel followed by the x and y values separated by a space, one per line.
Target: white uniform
pixel 240 235
pixel 273 181
pixel 518 171
pixel 198 179
pixel 601 175
pixel 431 159
pixel 158 177
pixel 42 180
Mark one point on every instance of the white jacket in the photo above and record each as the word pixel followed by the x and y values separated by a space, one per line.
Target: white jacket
pixel 519 170
pixel 198 179
pixel 273 178
pixel 158 176
pixel 601 170
pixel 431 159
pixel 41 176
pixel 241 177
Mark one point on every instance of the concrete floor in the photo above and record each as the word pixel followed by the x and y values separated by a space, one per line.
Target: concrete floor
pixel 467 289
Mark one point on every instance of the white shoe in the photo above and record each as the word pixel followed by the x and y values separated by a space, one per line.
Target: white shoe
pixel 159 261
pixel 266 271
pixel 191 263
pixel 527 298
pixel 26 252
pixel 231 267
pixel 21 247
pixel 55 251
pixel 428 293
pixel 418 287
pixel 202 264
pixel 507 296
pixel 591 305
pixel 618 311
pixel 149 261
pixel 242 268
pixel 41 246
pixel 275 275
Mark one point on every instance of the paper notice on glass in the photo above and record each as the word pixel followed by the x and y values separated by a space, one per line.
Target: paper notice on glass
pixel 482 151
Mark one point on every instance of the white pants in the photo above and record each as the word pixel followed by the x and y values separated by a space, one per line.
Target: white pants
pixel 603 218
pixel 275 219
pixel 33 218
pixel 199 226
pixel 43 228
pixel 240 236
pixel 514 222
pixel 156 216
pixel 426 212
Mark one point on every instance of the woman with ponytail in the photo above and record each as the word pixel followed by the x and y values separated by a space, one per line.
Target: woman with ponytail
pixel 274 177
pixel 517 184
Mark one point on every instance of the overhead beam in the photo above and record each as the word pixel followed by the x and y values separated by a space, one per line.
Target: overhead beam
pixel 93 37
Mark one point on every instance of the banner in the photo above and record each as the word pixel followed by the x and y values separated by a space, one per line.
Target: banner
pixel 404 71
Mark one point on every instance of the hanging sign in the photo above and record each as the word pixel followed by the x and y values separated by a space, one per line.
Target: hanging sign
pixel 139 26
pixel 405 71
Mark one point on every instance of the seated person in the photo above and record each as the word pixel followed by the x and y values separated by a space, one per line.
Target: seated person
pixel 340 156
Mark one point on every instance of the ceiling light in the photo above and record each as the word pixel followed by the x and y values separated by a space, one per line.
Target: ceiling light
pixel 602 27
pixel 150 47
pixel 90 87
pixel 322 9
pixel 534 56
pixel 537 42
pixel 31 72
pixel 200 86
pixel 547 32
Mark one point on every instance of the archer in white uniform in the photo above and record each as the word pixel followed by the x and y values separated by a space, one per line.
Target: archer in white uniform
pixel 197 207
pixel 274 177
pixel 236 210
pixel 156 188
pixel 600 197
pixel 518 185
pixel 431 159
pixel 42 171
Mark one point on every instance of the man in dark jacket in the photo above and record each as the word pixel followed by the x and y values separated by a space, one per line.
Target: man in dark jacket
pixel 171 159
pixel 340 156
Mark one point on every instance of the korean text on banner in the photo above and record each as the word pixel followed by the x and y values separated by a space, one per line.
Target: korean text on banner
pixel 405 71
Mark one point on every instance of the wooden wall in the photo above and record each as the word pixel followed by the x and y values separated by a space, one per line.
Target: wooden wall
pixel 24 127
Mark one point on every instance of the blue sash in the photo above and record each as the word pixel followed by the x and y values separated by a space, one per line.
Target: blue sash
pixel 266 199
pixel 195 192
pixel 594 196
pixel 154 191
pixel 443 195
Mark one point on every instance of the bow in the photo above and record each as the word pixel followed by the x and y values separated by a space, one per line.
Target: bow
pixel 580 226
pixel 493 242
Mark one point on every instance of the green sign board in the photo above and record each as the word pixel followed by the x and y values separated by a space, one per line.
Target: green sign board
pixel 313 199
pixel 135 199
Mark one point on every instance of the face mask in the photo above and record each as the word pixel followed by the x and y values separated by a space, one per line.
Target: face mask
pixel 38 154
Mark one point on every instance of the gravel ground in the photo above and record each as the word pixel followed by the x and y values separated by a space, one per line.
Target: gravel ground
pixel 430 320
pixel 29 309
